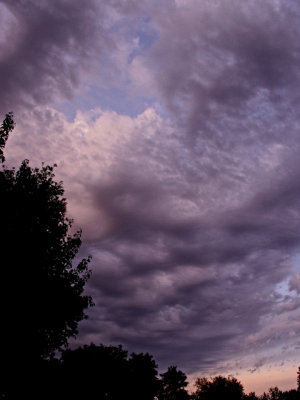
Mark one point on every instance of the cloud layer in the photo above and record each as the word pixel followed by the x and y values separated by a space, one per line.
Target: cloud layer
pixel 191 208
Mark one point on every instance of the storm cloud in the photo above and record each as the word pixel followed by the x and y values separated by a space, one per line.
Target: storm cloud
pixel 190 208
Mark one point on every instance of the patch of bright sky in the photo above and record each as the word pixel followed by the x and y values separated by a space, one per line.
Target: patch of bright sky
pixel 112 99
pixel 283 376
pixel 145 37
pixel 268 369
pixel 283 287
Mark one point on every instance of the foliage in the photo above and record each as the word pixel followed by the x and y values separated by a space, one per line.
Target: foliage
pixel 173 383
pixel 5 129
pixel 219 387
pixel 106 372
pixel 37 251
pixel 276 394
pixel 92 372
pixel 142 376
pixel 41 294
pixel 250 396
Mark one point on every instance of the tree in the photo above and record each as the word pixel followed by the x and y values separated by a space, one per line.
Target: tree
pixel 172 385
pixel 5 129
pixel 275 393
pixel 106 373
pixel 250 396
pixel 290 395
pixel 143 379
pixel 91 371
pixel 41 293
pixel 219 387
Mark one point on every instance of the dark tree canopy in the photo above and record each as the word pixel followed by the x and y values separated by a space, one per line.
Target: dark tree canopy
pixel 107 373
pixel 275 394
pixel 219 387
pixel 42 297
pixel 95 372
pixel 5 129
pixel 44 290
pixel 250 396
pixel 173 384
pixel 142 376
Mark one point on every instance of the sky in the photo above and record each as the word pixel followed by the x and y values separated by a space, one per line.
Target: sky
pixel 175 128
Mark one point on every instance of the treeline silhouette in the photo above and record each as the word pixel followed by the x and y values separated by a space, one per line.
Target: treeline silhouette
pixel 42 301
pixel 107 372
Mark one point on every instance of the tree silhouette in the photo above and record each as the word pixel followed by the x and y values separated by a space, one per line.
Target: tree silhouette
pixel 143 379
pixel 290 395
pixel 5 129
pixel 219 387
pixel 95 372
pixel 41 292
pixel 275 394
pixel 172 385
pixel 250 396
pixel 106 373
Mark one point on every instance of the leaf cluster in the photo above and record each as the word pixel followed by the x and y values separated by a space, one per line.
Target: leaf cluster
pixel 5 129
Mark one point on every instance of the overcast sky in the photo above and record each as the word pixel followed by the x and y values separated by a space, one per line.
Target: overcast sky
pixel 175 127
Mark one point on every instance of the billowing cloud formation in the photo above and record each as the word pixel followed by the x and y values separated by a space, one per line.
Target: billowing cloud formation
pixel 50 48
pixel 191 208
pixel 224 55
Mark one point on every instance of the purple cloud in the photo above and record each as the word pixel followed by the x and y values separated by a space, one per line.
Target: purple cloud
pixel 48 47
pixel 191 208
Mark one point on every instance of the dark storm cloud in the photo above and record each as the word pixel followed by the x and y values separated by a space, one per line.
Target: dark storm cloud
pixel 169 291
pixel 222 55
pixel 46 48
pixel 203 281
pixel 191 238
